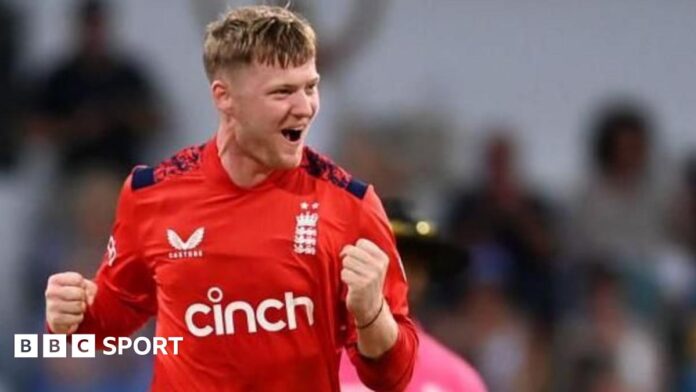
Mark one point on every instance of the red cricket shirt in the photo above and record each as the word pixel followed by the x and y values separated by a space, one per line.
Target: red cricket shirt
pixel 250 278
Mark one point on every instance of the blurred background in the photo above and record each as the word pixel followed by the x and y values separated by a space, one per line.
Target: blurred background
pixel 553 144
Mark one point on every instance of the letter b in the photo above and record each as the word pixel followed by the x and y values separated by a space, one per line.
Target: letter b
pixel 26 346
pixel 55 346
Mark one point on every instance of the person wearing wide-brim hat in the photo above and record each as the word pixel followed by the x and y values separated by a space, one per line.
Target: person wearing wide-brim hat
pixel 426 257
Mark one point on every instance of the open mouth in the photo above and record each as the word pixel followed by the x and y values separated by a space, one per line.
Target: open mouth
pixel 292 135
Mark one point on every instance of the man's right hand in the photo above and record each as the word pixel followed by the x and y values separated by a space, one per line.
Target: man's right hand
pixel 67 296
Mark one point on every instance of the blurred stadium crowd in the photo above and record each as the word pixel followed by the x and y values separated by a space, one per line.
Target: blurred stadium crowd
pixel 592 292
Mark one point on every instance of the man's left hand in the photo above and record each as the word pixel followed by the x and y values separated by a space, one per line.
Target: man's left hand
pixel 364 269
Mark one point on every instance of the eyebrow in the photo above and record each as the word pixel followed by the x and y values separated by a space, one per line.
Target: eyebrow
pixel 314 80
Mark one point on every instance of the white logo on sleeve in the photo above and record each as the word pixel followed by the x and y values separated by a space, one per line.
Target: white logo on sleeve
pixel 222 322
pixel 185 249
pixel 306 229
pixel 111 251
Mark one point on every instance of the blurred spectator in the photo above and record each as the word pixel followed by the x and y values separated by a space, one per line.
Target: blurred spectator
pixel 595 373
pixel 97 106
pixel 687 376
pixel 74 238
pixel 92 196
pixel 682 342
pixel 10 99
pixel 22 193
pixel 433 265
pixel 622 217
pixel 422 252
pixel 602 348
pixel 502 218
pixel 487 327
pixel 75 231
pixel 684 215
pixel 621 212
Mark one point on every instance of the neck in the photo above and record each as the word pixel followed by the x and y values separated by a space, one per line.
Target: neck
pixel 243 170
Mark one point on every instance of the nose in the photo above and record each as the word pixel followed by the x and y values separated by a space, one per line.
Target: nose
pixel 304 105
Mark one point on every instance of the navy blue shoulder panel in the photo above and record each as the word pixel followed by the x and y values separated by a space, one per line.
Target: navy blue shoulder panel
pixel 357 188
pixel 143 176
pixel 323 168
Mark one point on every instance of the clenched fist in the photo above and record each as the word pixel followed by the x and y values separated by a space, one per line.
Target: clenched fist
pixel 364 269
pixel 67 296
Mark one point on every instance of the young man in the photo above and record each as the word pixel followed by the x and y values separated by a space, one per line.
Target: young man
pixel 266 257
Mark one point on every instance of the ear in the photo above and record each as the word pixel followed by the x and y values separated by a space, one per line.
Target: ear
pixel 222 96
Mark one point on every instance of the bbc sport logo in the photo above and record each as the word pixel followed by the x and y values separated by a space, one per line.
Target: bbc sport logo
pixel 84 345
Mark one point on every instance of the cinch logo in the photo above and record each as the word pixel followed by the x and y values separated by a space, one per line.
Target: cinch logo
pixel 223 317
pixel 188 248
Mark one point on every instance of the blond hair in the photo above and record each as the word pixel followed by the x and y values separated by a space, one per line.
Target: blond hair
pixel 266 35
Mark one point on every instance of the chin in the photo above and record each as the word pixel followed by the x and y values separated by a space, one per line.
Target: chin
pixel 287 162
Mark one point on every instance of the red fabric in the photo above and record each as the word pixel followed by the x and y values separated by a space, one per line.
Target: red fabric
pixel 261 316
